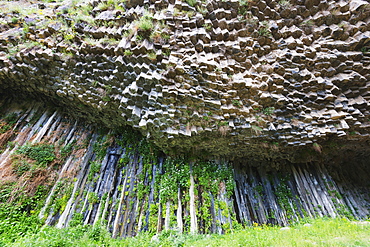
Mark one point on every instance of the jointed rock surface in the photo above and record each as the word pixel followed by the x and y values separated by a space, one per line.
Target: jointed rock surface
pixel 267 79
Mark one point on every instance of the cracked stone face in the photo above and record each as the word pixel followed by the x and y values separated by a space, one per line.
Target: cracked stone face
pixel 237 78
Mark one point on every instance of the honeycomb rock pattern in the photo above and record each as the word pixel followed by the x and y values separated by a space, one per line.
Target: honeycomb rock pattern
pixel 219 77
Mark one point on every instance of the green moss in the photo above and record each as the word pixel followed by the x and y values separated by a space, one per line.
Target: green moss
pixel 284 195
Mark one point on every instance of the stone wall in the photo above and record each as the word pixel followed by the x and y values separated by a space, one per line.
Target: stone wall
pixel 266 79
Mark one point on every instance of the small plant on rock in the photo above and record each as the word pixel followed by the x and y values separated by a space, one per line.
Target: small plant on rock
pixel 108 89
pixel 365 49
pixel 127 53
pixel 237 103
pixel 106 98
pixel 152 55
pixel 158 36
pixel 244 7
pixel 264 30
pixel 268 111
pixel 14 20
pixel 69 36
pixel 202 10
pixel 145 23
pixel 192 3
pixel 207 26
pixel 285 4
pixel 256 129
pixel 308 23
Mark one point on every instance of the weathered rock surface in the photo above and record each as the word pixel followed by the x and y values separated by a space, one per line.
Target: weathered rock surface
pixel 116 179
pixel 267 80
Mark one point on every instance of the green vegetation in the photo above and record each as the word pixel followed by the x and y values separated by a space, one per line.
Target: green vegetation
pixel 268 111
pixel 60 197
pixel 264 30
pixel 243 7
pixel 212 180
pixel 100 147
pixel 158 36
pixel 8 7
pixel 308 23
pixel 94 168
pixel 18 212
pixel 285 4
pixel 284 197
pixel 202 10
pixel 127 53
pixel 152 56
pixel 67 23
pixel 67 149
pixel 256 129
pixel 321 232
pixel 365 49
pixel 42 153
pixel 145 23
pixel 110 5
pixel 108 88
pixel 192 3
pixel 7 122
pixel 207 26
pixel 237 103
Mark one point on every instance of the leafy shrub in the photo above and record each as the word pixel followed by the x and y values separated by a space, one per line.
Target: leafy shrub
pixel 42 153
pixel 21 167
pixel 237 103
pixel 5 191
pixel 19 217
pixel 4 128
pixel 72 236
pixel 77 220
pixel 15 222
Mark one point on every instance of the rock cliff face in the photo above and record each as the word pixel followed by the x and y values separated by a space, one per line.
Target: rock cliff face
pixel 118 180
pixel 223 78
pixel 264 105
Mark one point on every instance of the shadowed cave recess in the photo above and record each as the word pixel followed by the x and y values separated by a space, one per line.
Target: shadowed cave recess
pixel 213 116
